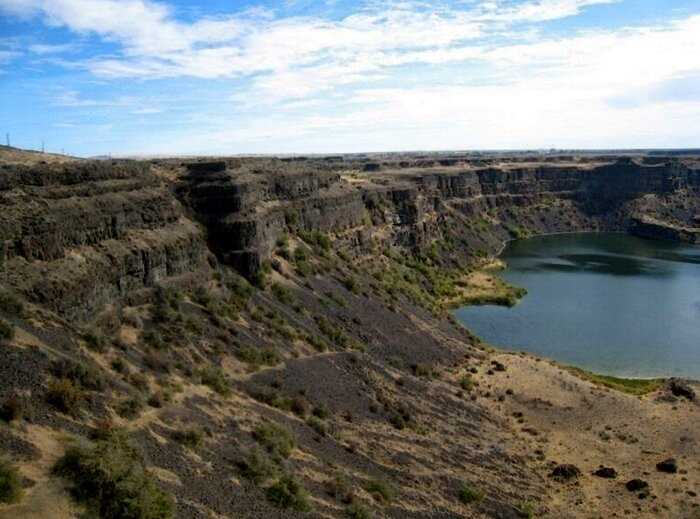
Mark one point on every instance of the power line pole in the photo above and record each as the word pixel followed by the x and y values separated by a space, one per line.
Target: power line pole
pixel 42 145
pixel 7 138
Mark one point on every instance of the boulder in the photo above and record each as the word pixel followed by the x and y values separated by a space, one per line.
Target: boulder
pixel 606 472
pixel 565 472
pixel 670 466
pixel 636 485
pixel 498 366
pixel 681 388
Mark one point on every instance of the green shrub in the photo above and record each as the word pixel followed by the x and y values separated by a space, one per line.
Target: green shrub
pixel 216 380
pixel 158 399
pixel 157 361
pixel 65 396
pixel 10 483
pixel 357 511
pixel 380 490
pixel 256 465
pixel 469 495
pixel 276 439
pixel 154 339
pixel 166 307
pixel 119 365
pixel 258 356
pixel 95 340
pixel 336 298
pixel 339 488
pixel 321 411
pixel 526 510
pixel 300 406
pixel 321 242
pixel 10 304
pixel 334 334
pixel 422 370
pixel 190 438
pixel 397 421
pixel 301 254
pixel 291 217
pixel 282 293
pixel 12 409
pixel 81 373
pixel 110 477
pixel 466 383
pixel 317 343
pixel 304 268
pixel 271 397
pixel 350 283
pixel 287 492
pixel 259 278
pixel 241 291
pixel 317 425
pixel 130 408
pixel 7 331
pixel 139 381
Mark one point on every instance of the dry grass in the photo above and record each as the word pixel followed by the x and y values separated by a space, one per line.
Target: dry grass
pixel 10 155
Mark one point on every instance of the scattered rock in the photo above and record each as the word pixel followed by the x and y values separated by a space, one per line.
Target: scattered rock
pixel 670 466
pixel 635 485
pixel 565 472
pixel 681 388
pixel 498 366
pixel 606 472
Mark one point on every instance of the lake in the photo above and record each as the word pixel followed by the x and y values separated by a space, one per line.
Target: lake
pixel 611 303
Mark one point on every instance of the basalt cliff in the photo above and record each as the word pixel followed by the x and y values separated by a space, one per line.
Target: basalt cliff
pixel 271 337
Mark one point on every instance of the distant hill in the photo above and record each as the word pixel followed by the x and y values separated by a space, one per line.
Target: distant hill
pixel 11 155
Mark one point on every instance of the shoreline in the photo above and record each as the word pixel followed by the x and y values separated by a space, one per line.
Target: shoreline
pixel 578 371
pixel 505 243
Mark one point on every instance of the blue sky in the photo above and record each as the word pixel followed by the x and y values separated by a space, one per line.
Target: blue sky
pixel 138 77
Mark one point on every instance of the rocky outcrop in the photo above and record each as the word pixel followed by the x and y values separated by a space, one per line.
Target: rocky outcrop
pixel 646 227
pixel 80 235
pixel 416 203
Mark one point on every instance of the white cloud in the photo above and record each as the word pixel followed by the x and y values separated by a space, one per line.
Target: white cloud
pixel 43 49
pixel 532 90
pixel 155 44
pixel 72 98
pixel 7 56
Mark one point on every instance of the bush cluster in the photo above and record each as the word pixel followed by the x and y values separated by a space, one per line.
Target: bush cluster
pixel 10 483
pixel 110 478
pixel 276 439
pixel 7 331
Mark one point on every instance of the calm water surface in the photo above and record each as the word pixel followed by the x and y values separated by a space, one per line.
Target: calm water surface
pixel 611 303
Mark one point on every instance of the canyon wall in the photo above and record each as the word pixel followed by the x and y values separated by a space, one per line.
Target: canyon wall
pixel 398 204
pixel 78 235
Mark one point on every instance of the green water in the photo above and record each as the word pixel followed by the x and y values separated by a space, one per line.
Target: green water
pixel 610 303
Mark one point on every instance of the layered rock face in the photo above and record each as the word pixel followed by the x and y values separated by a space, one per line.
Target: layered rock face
pixel 80 235
pixel 246 212
pixel 413 203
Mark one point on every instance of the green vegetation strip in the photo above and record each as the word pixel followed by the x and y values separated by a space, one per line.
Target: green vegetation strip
pixel 631 386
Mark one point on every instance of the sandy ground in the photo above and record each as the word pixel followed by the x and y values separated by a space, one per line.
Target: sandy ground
pixel 566 420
